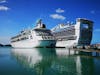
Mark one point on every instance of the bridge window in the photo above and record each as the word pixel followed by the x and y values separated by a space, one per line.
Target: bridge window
pixel 85 26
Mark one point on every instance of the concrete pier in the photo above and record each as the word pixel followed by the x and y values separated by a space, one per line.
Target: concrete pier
pixel 93 51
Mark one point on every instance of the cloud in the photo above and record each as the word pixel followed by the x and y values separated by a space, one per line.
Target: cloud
pixel 59 10
pixel 92 11
pixel 57 16
pixel 4 8
pixel 3 1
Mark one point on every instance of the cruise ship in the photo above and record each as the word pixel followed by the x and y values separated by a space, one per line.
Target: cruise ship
pixel 39 36
pixel 73 35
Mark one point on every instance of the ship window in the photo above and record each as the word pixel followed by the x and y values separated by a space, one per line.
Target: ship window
pixel 31 37
pixel 37 33
pixel 85 26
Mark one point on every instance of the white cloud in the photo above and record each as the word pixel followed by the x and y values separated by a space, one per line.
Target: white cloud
pixel 92 12
pixel 59 10
pixel 57 16
pixel 3 1
pixel 4 8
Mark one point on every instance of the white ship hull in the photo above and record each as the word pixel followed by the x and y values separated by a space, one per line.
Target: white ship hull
pixel 33 43
pixel 67 44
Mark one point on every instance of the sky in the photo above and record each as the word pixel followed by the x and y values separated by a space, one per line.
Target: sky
pixel 16 15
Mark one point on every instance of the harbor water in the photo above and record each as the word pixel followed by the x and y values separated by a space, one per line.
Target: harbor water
pixel 48 61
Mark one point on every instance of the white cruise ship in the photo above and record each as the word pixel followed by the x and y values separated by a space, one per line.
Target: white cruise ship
pixel 72 35
pixel 39 36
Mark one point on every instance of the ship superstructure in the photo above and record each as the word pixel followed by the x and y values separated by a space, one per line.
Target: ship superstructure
pixel 39 36
pixel 71 35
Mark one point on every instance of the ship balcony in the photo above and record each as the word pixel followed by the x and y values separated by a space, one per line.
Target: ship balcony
pixel 45 38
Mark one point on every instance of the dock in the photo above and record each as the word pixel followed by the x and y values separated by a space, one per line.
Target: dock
pixel 87 50
pixel 93 51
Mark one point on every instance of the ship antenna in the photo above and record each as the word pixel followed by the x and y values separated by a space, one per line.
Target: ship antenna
pixel 39 21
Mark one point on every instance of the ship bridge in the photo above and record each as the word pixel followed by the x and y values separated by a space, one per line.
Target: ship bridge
pixel 84 29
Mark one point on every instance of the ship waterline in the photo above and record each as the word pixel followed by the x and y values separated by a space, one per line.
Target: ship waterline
pixel 32 43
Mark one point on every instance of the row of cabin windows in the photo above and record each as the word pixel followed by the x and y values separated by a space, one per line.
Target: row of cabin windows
pixel 66 38
pixel 43 34
pixel 65 33
pixel 47 37
pixel 22 34
pixel 24 38
pixel 16 37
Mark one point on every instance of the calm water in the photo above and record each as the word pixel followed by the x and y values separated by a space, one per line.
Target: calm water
pixel 47 61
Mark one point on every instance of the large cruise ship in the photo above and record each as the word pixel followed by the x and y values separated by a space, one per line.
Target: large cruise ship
pixel 72 35
pixel 39 36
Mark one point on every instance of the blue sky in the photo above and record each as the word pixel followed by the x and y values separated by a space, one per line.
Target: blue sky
pixel 16 15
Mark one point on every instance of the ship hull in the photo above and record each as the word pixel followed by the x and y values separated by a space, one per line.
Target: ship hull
pixel 64 44
pixel 32 43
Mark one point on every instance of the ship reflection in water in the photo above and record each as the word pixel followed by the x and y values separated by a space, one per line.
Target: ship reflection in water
pixel 50 61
